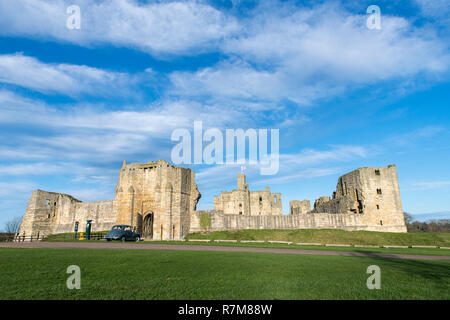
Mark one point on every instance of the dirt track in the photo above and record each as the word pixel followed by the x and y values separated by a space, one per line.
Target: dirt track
pixel 149 246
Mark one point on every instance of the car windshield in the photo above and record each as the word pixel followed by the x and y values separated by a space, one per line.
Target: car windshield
pixel 118 227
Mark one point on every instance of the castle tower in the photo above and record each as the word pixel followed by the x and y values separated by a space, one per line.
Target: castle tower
pixel 242 201
pixel 241 182
pixel 373 193
pixel 156 198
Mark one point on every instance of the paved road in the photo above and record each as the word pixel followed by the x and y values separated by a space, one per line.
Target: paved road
pixel 149 246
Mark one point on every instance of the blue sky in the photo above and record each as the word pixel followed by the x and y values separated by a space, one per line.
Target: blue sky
pixel 75 103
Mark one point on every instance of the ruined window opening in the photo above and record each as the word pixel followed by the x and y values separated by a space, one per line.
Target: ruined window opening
pixel 47 201
pixel 381 222
pixel 378 206
pixel 360 204
pixel 240 205
pixel 240 212
pixel 345 189
pixel 48 216
pixel 377 172
pixel 260 199
pixel 379 191
pixel 54 204
pixel 274 199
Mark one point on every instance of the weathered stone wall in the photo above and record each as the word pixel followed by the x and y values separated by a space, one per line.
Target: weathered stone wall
pixel 300 207
pixel 221 222
pixel 157 198
pixel 242 201
pixel 365 199
pixel 373 193
pixel 51 212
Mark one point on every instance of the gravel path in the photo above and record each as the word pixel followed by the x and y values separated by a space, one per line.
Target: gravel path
pixel 149 246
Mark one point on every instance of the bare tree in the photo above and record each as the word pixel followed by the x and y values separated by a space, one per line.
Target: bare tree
pixel 408 218
pixel 12 226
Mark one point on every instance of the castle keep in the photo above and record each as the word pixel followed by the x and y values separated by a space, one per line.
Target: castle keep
pixel 249 203
pixel 159 200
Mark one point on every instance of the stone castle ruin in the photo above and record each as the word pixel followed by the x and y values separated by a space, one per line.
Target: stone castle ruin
pixel 159 200
pixel 249 203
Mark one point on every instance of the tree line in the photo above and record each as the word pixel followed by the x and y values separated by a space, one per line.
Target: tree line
pixel 439 225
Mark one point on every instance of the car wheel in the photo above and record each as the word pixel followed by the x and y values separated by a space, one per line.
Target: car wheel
pixel 138 239
pixel 123 239
pixel 108 239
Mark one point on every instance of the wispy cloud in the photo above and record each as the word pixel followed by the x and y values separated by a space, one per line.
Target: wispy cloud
pixel 308 54
pixel 413 137
pixel 429 185
pixel 67 79
pixel 162 27
pixel 75 133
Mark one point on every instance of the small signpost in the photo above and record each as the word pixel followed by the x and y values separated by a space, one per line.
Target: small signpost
pixel 88 229
pixel 76 229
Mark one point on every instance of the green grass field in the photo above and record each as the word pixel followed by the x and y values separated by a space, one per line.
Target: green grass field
pixel 313 235
pixel 149 274
pixel 331 236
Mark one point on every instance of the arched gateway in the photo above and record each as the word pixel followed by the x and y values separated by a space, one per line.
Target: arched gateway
pixel 147 226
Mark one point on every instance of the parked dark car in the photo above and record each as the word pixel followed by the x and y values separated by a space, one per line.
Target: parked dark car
pixel 123 233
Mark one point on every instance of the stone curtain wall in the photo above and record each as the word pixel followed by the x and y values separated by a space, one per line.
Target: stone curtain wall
pixel 221 222
pixel 51 212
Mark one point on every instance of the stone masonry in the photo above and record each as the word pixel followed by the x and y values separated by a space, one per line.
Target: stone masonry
pixel 159 200
pixel 156 198
pixel 242 201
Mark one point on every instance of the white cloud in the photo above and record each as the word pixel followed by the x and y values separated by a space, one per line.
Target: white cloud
pixel 413 137
pixel 84 132
pixel 429 185
pixel 314 157
pixel 67 79
pixel 310 54
pixel 160 27
pixel 434 8
pixel 295 166
pixel 13 189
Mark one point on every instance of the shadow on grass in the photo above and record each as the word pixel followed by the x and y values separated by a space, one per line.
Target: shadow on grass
pixel 436 270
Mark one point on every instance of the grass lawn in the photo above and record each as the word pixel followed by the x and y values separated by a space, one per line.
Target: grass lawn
pixel 149 274
pixel 413 251
pixel 313 235
pixel 331 236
